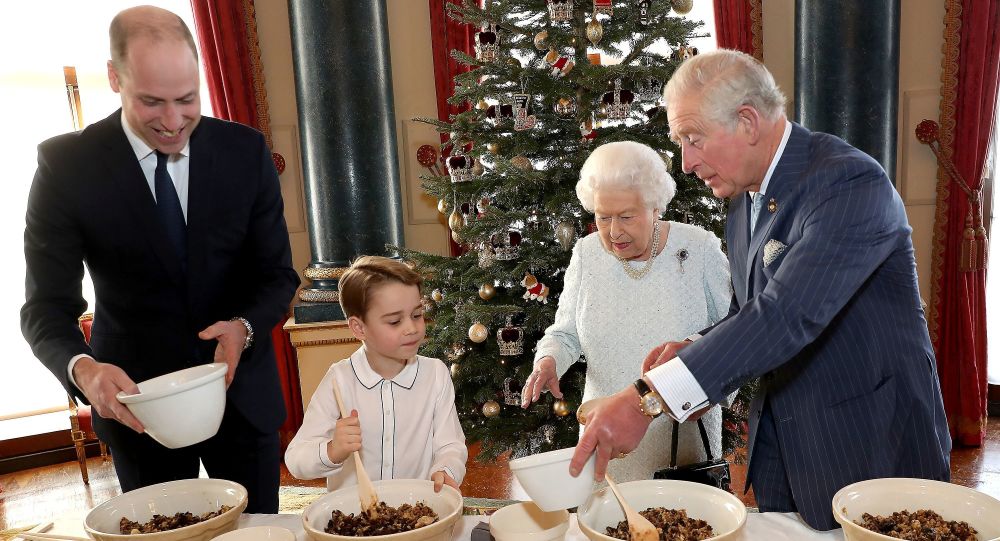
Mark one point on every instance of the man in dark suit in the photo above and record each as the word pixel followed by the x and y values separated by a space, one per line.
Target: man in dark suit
pixel 825 310
pixel 180 221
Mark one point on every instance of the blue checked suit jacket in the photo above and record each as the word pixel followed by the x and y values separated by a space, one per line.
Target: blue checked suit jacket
pixel 833 326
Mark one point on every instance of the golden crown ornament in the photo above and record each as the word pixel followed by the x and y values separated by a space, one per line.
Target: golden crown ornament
pixel 618 102
pixel 560 11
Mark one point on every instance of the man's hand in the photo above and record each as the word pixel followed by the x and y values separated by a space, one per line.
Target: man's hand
pixel 662 353
pixel 442 478
pixel 614 427
pixel 346 438
pixel 542 378
pixel 100 382
pixel 231 336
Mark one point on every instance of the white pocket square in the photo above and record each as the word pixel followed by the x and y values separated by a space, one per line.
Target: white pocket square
pixel 772 250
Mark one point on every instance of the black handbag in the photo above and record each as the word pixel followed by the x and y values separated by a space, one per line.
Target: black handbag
pixel 713 472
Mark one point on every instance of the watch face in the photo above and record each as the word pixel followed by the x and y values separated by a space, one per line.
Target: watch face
pixel 651 404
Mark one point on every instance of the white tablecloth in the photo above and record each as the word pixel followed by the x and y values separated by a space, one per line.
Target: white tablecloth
pixel 759 527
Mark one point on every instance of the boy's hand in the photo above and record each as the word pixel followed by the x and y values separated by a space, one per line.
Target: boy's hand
pixel 441 478
pixel 346 438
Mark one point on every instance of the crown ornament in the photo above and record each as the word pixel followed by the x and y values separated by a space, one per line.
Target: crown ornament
pixel 510 339
pixel 460 168
pixel 506 246
pixel 487 44
pixel 560 10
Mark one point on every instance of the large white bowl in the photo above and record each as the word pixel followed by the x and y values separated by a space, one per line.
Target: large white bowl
pixel 886 496
pixel 181 408
pixel 723 511
pixel 197 496
pixel 526 522
pixel 545 478
pixel 394 492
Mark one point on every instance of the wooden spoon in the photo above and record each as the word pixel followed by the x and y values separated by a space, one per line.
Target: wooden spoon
pixel 639 528
pixel 366 490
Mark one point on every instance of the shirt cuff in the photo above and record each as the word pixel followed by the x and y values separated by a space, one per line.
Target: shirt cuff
pixel 679 389
pixel 324 458
pixel 69 368
pixel 450 473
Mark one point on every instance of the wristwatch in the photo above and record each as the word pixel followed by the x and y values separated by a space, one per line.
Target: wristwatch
pixel 249 339
pixel 650 402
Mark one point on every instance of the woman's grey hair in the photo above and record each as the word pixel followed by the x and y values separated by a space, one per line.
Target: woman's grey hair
pixel 626 165
pixel 726 80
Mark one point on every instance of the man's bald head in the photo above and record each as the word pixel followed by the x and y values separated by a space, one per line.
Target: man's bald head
pixel 145 23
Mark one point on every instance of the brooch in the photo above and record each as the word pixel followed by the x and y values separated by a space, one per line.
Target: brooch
pixel 681 256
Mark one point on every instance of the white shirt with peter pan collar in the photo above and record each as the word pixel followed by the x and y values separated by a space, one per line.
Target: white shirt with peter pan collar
pixel 409 424
pixel 673 380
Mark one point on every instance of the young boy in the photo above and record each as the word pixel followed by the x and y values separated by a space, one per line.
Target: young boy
pixel 402 405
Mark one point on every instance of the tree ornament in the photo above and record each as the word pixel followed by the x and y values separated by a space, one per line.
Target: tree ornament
pixel 566 234
pixel 603 7
pixel 457 238
pixel 511 391
pixel 587 132
pixel 682 7
pixel 561 64
pixel 478 333
pixel 430 307
pixel 595 31
pixel 459 168
pixel 565 107
pixel 442 206
pixel 560 10
pixel 618 102
pixel 486 256
pixel 522 120
pixel 549 433
pixel 487 44
pixel 540 38
pixel 487 291
pixel 477 168
pixel 514 62
pixel 482 105
pixel 491 409
pixel 455 221
pixel 522 163
pixel 482 205
pixel 643 7
pixel 437 295
pixel 649 89
pixel 683 52
pixel 534 219
pixel 667 160
pixel 506 246
pixel 560 408
pixel 454 352
pixel 510 339
pixel 456 369
pixel 494 148
pixel 534 290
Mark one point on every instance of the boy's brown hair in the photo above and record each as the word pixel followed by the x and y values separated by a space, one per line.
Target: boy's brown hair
pixel 366 274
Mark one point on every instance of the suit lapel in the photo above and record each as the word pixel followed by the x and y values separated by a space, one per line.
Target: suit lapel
pixel 792 163
pixel 737 243
pixel 131 182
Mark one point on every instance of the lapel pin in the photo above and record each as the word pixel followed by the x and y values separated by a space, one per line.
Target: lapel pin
pixel 772 206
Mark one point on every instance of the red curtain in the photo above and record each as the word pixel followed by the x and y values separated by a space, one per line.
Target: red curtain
pixel 738 26
pixel 230 53
pixel 448 35
pixel 957 318
pixel 288 372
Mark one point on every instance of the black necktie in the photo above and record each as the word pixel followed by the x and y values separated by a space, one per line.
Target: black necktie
pixel 168 206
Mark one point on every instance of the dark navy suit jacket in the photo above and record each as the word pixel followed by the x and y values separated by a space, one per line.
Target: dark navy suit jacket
pixel 833 326
pixel 90 202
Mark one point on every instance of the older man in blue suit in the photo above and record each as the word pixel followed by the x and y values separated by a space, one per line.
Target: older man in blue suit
pixel 825 310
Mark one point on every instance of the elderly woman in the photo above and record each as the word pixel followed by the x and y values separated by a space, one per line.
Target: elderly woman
pixel 638 282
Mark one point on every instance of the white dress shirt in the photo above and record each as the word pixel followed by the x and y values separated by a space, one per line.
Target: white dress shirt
pixel 409 424
pixel 673 380
pixel 178 166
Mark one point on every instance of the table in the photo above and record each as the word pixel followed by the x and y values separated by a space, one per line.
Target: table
pixel 759 527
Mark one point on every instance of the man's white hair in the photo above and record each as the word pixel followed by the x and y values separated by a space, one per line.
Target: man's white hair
pixel 626 165
pixel 726 80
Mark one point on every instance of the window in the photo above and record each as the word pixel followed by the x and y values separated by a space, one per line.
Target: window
pixel 992 272
pixel 38 39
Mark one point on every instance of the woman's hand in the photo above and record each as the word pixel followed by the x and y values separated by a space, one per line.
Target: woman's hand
pixel 346 438
pixel 542 378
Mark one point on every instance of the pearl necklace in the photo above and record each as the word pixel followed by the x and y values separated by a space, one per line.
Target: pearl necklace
pixel 637 274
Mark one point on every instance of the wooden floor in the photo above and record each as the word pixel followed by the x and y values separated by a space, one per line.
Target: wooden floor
pixel 41 494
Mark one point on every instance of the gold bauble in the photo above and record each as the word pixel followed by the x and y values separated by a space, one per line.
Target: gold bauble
pixel 487 292
pixel 477 168
pixel 456 237
pixel 494 148
pixel 682 7
pixel 514 62
pixel 491 409
pixel 482 105
pixel 540 40
pixel 560 408
pixel 595 31
pixel 455 369
pixel 437 296
pixel 522 163
pixel 455 221
pixel 478 333
pixel 442 206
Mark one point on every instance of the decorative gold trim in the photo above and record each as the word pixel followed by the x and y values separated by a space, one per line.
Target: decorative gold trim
pixel 757 29
pixel 946 138
pixel 326 342
pixel 89 316
pixel 319 295
pixel 324 273
pixel 257 71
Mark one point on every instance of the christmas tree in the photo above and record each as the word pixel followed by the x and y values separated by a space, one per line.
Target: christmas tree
pixel 539 100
